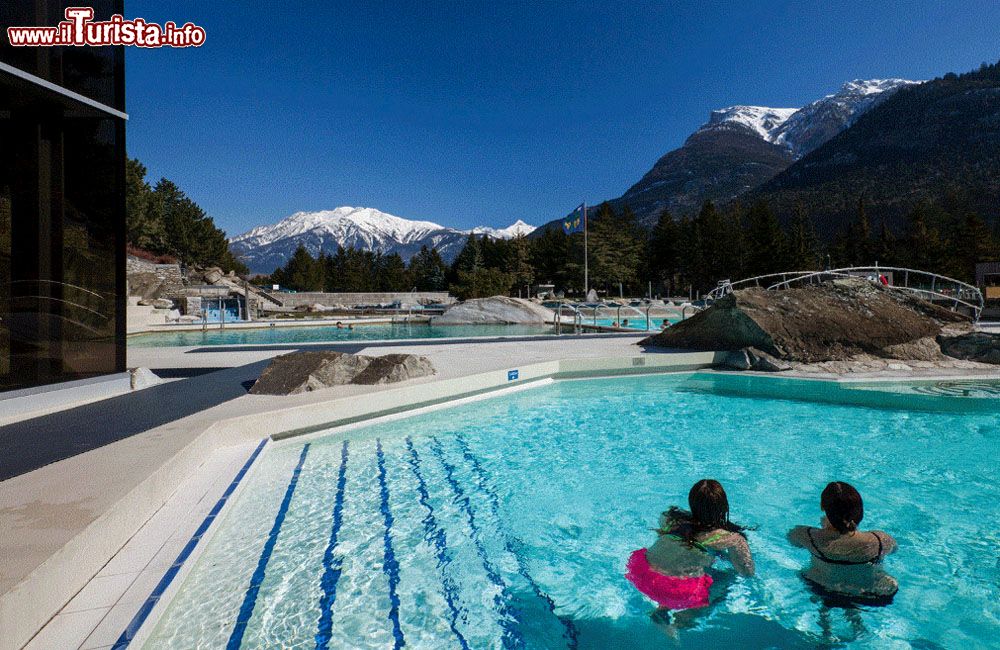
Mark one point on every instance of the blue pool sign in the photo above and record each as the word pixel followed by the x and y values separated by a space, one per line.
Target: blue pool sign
pixel 511 375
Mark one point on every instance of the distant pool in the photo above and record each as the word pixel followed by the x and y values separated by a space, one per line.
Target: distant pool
pixel 321 333
pixel 637 323
pixel 506 524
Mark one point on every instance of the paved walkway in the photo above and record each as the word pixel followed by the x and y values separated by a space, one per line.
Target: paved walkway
pixel 34 443
pixel 216 375
pixel 41 510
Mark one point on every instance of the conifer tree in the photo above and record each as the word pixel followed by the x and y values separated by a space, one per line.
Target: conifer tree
pixel 803 245
pixel 765 241
pixel 428 271
pixel 144 228
pixel 554 261
pixel 923 242
pixel 518 262
pixel 663 253
pixel 973 243
pixel 885 246
pixel 301 273
pixel 469 258
pixel 391 273
pixel 615 248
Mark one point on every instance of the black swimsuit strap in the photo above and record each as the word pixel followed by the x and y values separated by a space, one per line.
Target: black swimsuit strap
pixel 830 560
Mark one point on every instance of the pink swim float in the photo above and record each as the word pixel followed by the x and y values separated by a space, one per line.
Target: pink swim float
pixel 671 592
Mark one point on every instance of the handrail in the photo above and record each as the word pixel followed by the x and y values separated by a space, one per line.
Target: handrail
pixel 965 294
pixel 726 288
pixel 685 308
pixel 976 307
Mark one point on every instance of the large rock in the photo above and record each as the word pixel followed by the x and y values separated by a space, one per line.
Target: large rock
pixel 302 372
pixel 833 321
pixel 495 310
pixel 146 285
pixel 392 368
pixel 974 346
pixel 753 359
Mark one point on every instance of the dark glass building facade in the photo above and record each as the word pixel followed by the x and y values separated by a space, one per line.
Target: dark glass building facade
pixel 62 203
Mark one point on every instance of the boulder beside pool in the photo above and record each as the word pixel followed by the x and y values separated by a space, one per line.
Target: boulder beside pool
pixel 982 347
pixel 833 321
pixel 391 368
pixel 307 371
pixel 498 310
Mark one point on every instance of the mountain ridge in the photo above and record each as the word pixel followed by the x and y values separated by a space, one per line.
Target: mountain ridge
pixel 741 147
pixel 268 247
pixel 938 142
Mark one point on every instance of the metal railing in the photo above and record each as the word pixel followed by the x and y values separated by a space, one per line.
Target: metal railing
pixel 726 287
pixel 932 287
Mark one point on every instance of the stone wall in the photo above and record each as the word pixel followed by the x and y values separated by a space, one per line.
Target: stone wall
pixel 292 300
pixel 169 275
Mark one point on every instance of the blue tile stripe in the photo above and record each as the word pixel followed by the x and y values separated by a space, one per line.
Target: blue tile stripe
pixel 333 563
pixel 250 598
pixel 513 544
pixel 509 619
pixel 438 539
pixel 140 617
pixel 389 564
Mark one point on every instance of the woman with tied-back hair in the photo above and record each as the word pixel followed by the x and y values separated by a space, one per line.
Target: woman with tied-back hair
pixel 846 562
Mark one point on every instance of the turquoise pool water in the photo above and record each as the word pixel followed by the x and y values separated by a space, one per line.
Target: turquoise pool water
pixel 637 323
pixel 506 523
pixel 307 334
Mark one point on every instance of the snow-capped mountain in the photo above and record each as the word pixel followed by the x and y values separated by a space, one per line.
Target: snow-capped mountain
pixel 742 147
pixel 761 121
pixel 266 248
pixel 800 130
pixel 814 124
pixel 516 229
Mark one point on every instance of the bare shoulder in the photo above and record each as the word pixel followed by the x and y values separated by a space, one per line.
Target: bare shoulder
pixel 887 541
pixel 721 539
pixel 799 535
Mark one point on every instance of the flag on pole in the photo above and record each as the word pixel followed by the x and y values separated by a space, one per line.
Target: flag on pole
pixel 575 221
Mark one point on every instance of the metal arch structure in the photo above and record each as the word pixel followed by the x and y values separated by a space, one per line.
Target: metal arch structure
pixel 932 287
pixel 725 287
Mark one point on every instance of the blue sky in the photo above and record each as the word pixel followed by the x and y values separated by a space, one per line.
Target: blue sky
pixel 469 113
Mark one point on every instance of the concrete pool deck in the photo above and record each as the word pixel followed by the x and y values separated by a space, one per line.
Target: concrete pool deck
pixel 61 523
pixel 86 539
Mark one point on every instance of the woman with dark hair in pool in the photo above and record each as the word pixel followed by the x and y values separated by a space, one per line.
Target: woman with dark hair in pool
pixel 672 571
pixel 846 563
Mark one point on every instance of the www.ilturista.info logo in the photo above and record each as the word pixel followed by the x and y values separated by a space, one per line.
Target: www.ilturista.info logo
pixel 79 28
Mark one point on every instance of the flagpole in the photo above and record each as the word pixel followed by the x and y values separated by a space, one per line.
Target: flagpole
pixel 586 269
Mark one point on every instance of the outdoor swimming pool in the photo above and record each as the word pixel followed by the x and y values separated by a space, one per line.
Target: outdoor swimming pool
pixel 320 333
pixel 637 323
pixel 506 523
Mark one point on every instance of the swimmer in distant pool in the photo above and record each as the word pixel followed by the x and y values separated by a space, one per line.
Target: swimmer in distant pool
pixel 846 562
pixel 672 571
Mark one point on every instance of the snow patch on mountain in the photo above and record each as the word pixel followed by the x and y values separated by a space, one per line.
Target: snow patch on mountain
pixel 801 130
pixel 760 120
pixel 814 124
pixel 268 247
pixel 366 224
pixel 516 229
